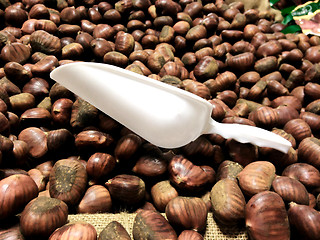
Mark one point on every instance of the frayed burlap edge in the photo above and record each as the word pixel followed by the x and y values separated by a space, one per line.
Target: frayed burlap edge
pixel 213 231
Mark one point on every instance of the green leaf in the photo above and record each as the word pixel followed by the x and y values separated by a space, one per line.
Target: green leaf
pixel 273 2
pixel 287 19
pixel 287 10
pixel 291 29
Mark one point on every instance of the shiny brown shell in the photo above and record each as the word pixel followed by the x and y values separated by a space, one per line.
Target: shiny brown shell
pixel 16 191
pixel 185 175
pixel 73 231
pixel 266 217
pixel 187 213
pixel 256 177
pixel 305 220
pixel 127 189
pixel 16 52
pixel 291 190
pixel 46 213
pixel 45 42
pixel 96 199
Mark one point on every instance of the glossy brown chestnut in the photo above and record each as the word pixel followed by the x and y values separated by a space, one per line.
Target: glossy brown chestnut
pixel 305 219
pixel 93 139
pixel 185 175
pixel 99 165
pixel 38 178
pixel 266 217
pixel 291 190
pixel 128 189
pixel 36 139
pixel 96 199
pixel 187 213
pixel 190 234
pixel 308 151
pixel 150 165
pixel 256 177
pixel 11 233
pixel 16 191
pixel 42 216
pixel 74 230
pixel 228 169
pixel 305 173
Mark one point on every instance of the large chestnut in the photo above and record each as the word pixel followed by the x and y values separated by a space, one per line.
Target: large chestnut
pixel 187 213
pixel 15 192
pixel 42 216
pixel 128 189
pixel 228 202
pixel 68 181
pixel 256 177
pixel 305 219
pixel 266 217
pixel 78 230
pixel 150 224
pixel 114 231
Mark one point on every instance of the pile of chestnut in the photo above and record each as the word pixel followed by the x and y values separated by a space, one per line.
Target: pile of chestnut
pixel 60 155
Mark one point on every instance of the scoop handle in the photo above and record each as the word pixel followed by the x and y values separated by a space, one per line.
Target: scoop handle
pixel 249 134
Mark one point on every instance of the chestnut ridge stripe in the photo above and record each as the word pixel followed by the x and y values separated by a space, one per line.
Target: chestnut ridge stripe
pixel 213 230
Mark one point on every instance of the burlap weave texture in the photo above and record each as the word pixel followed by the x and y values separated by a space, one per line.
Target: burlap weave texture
pixel 213 231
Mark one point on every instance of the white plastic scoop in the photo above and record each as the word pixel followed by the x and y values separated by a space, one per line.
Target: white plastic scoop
pixel 162 114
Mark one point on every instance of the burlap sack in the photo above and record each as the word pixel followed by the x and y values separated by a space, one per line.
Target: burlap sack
pixel 213 231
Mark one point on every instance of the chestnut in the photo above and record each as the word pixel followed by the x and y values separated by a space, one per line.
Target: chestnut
pixel 99 165
pixel 96 199
pixel 151 224
pixel 74 230
pixel 307 174
pixel 305 219
pixel 228 202
pixel 187 213
pixel 128 189
pixel 68 181
pixel 190 235
pixel 162 192
pixel 42 216
pixel 291 190
pixel 185 175
pixel 113 231
pixel 16 191
pixel 266 217
pixel 256 177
